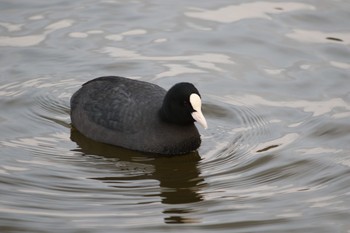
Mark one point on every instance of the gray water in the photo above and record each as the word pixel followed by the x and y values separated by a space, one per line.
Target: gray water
pixel 275 82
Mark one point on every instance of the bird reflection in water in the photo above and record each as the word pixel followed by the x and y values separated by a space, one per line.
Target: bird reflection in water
pixel 180 181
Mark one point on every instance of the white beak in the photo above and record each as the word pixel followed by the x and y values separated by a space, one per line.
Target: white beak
pixel 197 115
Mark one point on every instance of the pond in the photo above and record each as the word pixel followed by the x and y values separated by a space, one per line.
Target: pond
pixel 275 83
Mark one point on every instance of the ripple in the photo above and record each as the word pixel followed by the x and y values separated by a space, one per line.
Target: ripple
pixel 48 101
pixel 241 160
pixel 51 110
pixel 240 131
pixel 233 13
pixel 310 36
pixel 275 156
pixel 32 40
pixel 202 62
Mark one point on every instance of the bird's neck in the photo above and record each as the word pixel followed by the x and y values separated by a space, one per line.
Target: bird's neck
pixel 176 118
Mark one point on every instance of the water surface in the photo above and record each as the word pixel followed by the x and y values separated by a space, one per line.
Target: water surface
pixel 274 76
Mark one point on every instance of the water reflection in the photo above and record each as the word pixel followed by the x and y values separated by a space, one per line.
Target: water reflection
pixel 180 180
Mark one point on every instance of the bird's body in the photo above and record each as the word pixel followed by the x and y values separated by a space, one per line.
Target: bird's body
pixel 132 114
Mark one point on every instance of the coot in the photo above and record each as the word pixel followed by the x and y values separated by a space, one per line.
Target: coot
pixel 138 115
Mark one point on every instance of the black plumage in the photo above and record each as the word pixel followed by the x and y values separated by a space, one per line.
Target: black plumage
pixel 136 115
